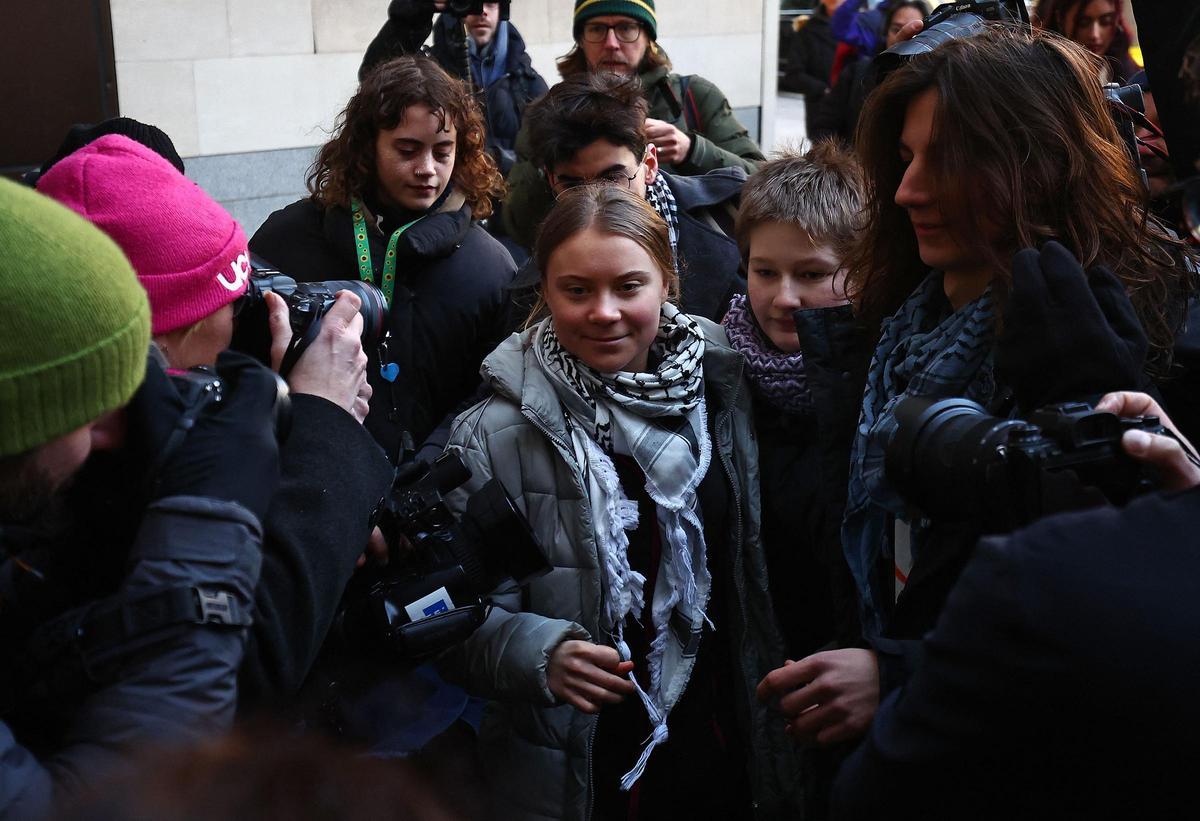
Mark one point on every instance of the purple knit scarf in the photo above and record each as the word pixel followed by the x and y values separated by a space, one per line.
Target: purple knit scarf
pixel 777 376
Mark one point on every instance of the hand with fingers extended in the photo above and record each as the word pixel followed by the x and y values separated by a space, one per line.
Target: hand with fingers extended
pixel 1175 457
pixel 335 366
pixel 1067 334
pixel 588 675
pixel 828 697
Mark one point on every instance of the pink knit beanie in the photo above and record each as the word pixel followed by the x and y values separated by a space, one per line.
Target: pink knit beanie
pixel 189 253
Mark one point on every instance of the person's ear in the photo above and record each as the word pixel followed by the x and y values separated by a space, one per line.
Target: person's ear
pixel 108 432
pixel 651 164
pixel 551 179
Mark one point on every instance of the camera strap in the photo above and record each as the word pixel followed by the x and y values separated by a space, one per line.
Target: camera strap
pixel 298 346
pixel 366 270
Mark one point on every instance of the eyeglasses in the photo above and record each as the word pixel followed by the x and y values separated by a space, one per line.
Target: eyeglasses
pixel 614 176
pixel 627 32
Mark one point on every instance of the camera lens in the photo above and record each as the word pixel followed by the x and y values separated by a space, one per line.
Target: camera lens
pixel 939 457
pixel 374 308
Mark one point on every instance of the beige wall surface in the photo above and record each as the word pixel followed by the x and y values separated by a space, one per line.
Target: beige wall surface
pixel 231 76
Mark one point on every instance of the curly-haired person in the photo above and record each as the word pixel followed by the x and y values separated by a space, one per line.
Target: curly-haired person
pixel 395 197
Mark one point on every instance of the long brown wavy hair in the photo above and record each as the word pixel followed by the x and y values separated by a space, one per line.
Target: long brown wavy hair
pixel 1022 140
pixel 345 166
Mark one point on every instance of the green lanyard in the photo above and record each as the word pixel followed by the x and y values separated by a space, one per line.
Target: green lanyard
pixel 366 271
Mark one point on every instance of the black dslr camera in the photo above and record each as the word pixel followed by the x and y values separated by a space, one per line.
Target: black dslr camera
pixel 953 462
pixel 434 595
pixel 307 303
pixel 461 8
pixel 951 21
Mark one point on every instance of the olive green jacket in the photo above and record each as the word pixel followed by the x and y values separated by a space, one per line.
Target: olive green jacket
pixel 718 141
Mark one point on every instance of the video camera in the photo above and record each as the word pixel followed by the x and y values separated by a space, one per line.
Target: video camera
pixel 307 303
pixel 954 462
pixel 435 595
pixel 951 21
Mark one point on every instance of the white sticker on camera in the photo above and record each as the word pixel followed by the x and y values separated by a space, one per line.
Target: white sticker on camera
pixel 436 602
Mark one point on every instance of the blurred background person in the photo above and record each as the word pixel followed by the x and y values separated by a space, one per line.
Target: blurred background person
pixel 837 112
pixel 810 58
pixel 499 65
pixel 266 775
pixel 1097 25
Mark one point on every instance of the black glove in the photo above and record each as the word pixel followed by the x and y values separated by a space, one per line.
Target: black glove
pixel 230 452
pixel 1067 335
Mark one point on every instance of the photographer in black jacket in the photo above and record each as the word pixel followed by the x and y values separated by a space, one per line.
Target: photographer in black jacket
pixel 1059 681
pixel 500 68
pixel 195 267
pixel 108 650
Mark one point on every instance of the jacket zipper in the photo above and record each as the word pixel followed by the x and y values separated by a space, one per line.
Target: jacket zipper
pixel 536 421
pixel 591 787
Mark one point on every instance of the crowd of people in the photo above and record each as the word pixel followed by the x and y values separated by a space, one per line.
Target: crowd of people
pixel 690 368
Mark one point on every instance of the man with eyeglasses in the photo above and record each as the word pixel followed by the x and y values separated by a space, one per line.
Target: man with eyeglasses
pixel 689 120
pixel 591 129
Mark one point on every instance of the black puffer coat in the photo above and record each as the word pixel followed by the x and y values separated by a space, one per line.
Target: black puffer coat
pixel 836 113
pixel 810 62
pixel 408 26
pixel 709 260
pixel 450 308
pixel 803 466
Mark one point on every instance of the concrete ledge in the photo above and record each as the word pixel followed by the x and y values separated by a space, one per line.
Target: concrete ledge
pixel 250 186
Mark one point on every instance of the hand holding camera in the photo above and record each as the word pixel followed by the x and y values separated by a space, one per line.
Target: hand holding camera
pixel 1174 455
pixel 224 428
pixel 335 366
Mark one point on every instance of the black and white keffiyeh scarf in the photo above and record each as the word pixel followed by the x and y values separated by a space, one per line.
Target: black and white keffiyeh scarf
pixel 674 388
pixel 659 195
pixel 658 418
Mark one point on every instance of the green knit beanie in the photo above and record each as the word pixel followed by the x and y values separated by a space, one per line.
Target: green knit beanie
pixel 640 10
pixel 75 326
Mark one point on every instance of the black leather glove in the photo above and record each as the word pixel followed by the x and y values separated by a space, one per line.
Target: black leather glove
pixel 1068 335
pixel 230 451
